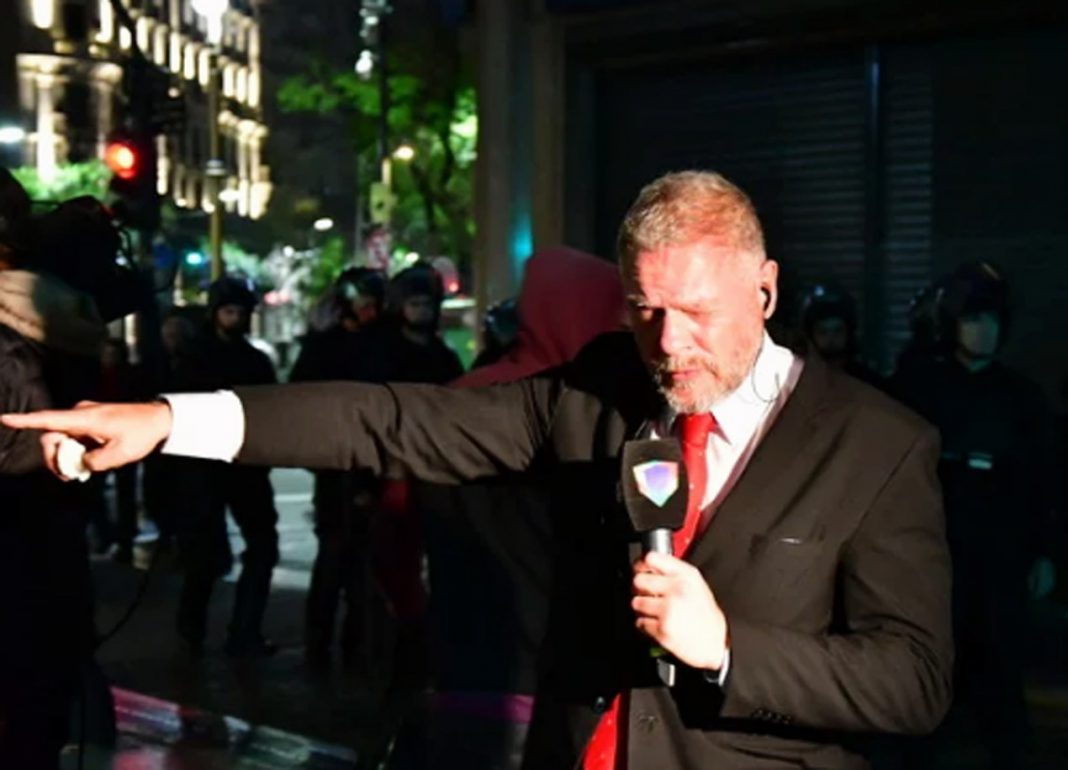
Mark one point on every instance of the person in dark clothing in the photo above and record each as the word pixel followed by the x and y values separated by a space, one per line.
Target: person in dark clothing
pixel 494 539
pixel 334 353
pixel 223 357
pixel 998 450
pixel 829 326
pixel 408 346
pixel 51 329
pixel 343 501
pixel 46 600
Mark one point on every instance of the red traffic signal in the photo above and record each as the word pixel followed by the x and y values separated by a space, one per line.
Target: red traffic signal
pixel 123 159
pixel 131 157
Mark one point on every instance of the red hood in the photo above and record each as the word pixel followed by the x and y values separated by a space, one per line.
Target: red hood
pixel 568 298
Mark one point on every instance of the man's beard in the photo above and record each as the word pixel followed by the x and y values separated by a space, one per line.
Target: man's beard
pixel 700 394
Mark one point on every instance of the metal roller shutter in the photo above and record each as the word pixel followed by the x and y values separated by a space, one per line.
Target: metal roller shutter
pixel 793 133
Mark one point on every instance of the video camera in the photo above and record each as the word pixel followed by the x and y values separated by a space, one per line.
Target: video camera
pixel 77 241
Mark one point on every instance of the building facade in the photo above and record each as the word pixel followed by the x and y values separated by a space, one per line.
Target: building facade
pixel 883 143
pixel 69 65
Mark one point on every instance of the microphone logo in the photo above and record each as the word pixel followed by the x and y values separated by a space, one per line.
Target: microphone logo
pixel 657 481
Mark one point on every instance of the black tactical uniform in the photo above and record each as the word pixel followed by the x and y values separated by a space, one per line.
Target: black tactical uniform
pixel 997 474
pixel 344 501
pixel 210 488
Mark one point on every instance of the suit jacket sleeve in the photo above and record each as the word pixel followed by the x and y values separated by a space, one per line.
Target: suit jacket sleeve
pixel 889 669
pixel 439 434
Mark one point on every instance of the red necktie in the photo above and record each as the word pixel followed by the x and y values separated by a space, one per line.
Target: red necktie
pixel 607 749
pixel 694 430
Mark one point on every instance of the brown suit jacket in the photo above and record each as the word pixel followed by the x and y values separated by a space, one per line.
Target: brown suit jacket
pixel 828 557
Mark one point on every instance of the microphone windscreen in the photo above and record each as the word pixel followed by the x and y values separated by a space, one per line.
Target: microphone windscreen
pixel 655 486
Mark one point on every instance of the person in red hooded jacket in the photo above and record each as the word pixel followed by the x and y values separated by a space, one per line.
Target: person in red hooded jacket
pixel 493 541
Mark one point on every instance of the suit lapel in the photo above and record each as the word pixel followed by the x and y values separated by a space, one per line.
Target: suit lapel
pixel 779 468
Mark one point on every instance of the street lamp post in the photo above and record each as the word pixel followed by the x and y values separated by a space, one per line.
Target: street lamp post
pixel 372 61
pixel 213 12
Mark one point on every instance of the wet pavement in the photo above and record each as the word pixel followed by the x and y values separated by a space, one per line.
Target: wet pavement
pixel 160 735
pixel 176 711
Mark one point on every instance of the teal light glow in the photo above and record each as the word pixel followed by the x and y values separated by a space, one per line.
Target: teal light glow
pixel 522 243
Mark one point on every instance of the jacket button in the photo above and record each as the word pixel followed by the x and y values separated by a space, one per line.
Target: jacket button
pixel 600 704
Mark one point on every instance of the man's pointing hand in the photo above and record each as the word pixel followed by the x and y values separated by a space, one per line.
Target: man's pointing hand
pixel 118 434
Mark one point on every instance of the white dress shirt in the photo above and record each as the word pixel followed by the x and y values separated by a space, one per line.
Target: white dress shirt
pixel 743 418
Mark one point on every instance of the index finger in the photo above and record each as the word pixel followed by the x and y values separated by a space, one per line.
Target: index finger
pixel 71 422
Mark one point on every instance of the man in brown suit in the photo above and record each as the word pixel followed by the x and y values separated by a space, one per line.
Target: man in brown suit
pixel 810 605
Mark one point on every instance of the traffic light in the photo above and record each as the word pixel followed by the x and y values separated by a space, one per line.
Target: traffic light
pixel 131 157
pixel 123 160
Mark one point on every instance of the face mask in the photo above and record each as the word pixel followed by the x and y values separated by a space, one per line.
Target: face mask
pixel 978 335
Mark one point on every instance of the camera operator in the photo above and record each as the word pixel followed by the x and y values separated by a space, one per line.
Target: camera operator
pixel 59 283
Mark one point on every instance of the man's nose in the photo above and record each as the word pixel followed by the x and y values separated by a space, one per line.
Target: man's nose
pixel 673 334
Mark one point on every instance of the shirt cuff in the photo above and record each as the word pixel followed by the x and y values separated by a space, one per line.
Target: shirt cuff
pixel 208 426
pixel 719 678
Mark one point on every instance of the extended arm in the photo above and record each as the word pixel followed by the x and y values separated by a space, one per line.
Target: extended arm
pixel 438 433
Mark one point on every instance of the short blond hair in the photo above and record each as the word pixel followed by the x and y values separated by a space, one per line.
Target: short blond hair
pixel 687 206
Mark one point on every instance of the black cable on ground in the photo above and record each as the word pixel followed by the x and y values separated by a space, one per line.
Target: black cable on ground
pixel 142 589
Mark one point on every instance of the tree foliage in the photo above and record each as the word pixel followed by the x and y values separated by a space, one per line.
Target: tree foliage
pixel 71 180
pixel 432 108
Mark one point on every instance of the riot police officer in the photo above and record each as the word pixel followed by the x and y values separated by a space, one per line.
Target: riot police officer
pixel 997 453
pixel 343 501
pixel 829 326
pixel 222 357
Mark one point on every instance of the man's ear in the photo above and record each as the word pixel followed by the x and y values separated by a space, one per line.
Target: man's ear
pixel 769 286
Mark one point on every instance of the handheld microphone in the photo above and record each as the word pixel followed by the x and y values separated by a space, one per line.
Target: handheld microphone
pixel 656 493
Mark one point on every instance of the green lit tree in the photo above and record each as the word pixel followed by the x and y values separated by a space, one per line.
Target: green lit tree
pixel 71 180
pixel 432 109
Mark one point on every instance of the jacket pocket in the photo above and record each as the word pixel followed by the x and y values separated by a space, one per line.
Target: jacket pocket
pixel 790 578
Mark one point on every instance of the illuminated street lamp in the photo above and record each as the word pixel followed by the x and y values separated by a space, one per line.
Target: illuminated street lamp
pixel 12 134
pixel 365 64
pixel 405 153
pixel 324 224
pixel 213 12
